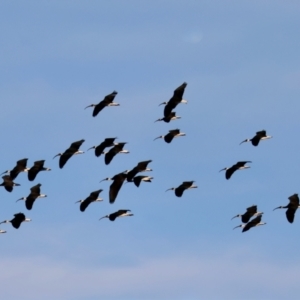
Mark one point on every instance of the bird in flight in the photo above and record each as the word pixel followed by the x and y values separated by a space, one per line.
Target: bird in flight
pixel 291 207
pixel 107 101
pixel 240 165
pixel 72 150
pixel 119 213
pixel 259 136
pixel 175 100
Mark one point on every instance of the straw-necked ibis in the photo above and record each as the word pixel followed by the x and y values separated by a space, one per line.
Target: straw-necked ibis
pixel 35 192
pixel 115 187
pixel 184 186
pixel 138 179
pixel 72 150
pixel 20 167
pixel 17 220
pixel 175 100
pixel 107 101
pixel 8 183
pixel 251 212
pixel 93 197
pixel 253 223
pixel 260 135
pixel 172 116
pixel 117 214
pixel 108 142
pixel 140 167
pixel 36 168
pixel 291 207
pixel 172 134
pixel 117 148
pixel 240 165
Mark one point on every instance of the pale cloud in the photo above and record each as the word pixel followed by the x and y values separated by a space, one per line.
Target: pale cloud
pixel 238 274
pixel 194 38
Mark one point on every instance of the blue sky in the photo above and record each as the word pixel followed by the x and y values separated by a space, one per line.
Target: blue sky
pixel 241 62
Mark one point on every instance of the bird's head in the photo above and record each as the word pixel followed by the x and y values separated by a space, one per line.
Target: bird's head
pixel 159 137
pixel 23 198
pixel 59 154
pixel 107 178
pixel 242 226
pixel 236 216
pixel 164 103
pixel 92 105
pixel 278 207
pixel 245 141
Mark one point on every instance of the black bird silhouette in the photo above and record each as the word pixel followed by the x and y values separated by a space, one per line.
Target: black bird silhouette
pixel 184 186
pixel 172 134
pixel 260 135
pixel 107 101
pixel 240 165
pixel 20 167
pixel 17 220
pixel 175 100
pixel 253 223
pixel 291 207
pixel 251 212
pixel 138 179
pixel 140 167
pixel 93 197
pixel 172 116
pixel 36 168
pixel 72 150
pixel 115 187
pixel 35 192
pixel 119 213
pixel 108 142
pixel 118 148
pixel 8 183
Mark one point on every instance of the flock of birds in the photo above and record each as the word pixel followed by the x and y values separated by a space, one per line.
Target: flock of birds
pixel 251 218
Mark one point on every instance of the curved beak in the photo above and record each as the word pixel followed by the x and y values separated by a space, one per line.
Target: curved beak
pixel 164 103
pixel 91 148
pixel 244 141
pixel 57 155
pixel 157 138
pixel 277 208
pixel 235 217
pixel 19 199
pixel 223 169
pixel 104 179
pixel 4 172
pixel 169 189
pixel 237 226
pixel 103 217
pixel 89 106
pixel 157 120
pixel 78 201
